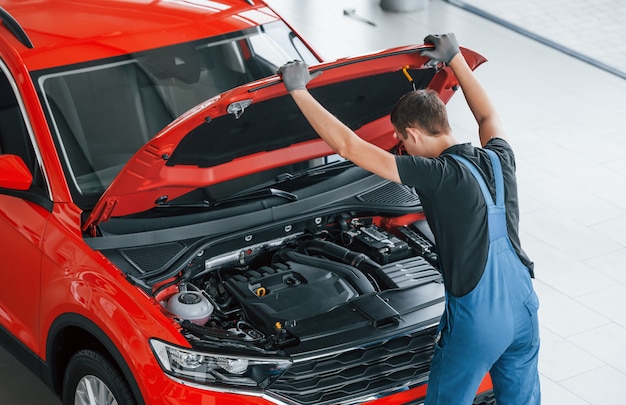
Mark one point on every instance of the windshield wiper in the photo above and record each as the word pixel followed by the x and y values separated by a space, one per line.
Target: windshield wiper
pixel 315 171
pixel 309 172
pixel 242 196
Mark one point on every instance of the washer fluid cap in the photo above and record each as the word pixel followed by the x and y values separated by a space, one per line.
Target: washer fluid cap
pixel 189 298
pixel 191 306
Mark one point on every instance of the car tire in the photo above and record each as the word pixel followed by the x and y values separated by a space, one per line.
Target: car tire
pixel 92 379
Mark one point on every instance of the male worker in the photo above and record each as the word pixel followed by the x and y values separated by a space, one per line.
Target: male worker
pixel 469 196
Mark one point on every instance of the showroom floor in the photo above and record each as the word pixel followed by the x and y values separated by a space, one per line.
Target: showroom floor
pixel 590 30
pixel 565 120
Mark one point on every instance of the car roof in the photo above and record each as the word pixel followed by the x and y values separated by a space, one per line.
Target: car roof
pixel 64 32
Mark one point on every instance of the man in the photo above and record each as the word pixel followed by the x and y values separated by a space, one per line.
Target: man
pixel 490 320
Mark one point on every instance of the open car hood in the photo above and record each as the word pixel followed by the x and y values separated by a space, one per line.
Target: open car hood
pixel 257 127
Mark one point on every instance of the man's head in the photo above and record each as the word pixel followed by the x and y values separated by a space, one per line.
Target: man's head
pixel 421 109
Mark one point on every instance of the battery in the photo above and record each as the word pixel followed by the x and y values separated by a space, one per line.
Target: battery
pixel 379 245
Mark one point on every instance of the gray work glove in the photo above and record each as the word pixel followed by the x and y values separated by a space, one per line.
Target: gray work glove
pixel 295 75
pixel 446 47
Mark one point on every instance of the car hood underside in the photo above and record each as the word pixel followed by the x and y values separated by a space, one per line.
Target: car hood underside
pixel 257 127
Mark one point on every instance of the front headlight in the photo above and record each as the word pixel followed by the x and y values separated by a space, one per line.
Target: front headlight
pixel 213 368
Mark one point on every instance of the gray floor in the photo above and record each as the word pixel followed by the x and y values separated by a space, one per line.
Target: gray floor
pixel 591 30
pixel 566 122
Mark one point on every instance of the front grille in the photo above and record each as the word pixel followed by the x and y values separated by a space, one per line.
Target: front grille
pixel 486 398
pixel 359 372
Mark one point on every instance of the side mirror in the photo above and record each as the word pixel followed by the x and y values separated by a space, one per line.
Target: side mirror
pixel 14 174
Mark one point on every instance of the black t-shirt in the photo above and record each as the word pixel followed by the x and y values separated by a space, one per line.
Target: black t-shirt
pixel 456 211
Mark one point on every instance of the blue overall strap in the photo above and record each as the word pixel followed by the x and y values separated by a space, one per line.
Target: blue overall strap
pixel 496 212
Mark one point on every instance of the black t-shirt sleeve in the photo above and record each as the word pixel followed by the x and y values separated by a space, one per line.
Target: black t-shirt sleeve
pixel 422 173
pixel 504 151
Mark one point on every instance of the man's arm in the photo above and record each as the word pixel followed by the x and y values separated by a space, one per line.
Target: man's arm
pixel 447 50
pixel 337 135
pixel 489 124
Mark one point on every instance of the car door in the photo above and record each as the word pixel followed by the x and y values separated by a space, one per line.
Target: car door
pixel 23 216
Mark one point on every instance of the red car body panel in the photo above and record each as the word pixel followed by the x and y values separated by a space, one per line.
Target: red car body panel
pixel 66 32
pixel 78 281
pixel 56 289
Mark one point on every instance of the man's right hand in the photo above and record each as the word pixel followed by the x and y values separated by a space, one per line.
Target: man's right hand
pixel 295 75
pixel 446 47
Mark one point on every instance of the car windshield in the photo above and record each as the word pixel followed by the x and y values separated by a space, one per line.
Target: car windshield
pixel 102 112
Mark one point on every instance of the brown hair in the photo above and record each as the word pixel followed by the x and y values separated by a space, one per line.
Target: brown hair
pixel 423 109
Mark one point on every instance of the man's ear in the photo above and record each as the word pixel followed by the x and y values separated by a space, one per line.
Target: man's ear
pixel 413 133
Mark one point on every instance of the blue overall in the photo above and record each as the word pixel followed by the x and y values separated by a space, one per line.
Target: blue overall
pixel 492 328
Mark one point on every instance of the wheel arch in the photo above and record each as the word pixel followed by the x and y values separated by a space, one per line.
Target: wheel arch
pixel 72 332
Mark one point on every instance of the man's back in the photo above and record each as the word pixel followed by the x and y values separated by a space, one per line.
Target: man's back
pixel 456 210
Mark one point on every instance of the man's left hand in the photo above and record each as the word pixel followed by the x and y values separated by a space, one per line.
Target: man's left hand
pixel 295 75
pixel 446 47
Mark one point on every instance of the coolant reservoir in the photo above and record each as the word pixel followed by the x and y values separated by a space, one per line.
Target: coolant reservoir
pixel 191 306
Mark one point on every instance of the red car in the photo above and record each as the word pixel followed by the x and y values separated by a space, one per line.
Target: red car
pixel 175 233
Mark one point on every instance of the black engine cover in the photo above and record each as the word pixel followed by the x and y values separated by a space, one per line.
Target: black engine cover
pixel 284 294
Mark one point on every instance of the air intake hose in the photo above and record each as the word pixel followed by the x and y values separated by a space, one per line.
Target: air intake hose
pixel 353 276
pixel 357 260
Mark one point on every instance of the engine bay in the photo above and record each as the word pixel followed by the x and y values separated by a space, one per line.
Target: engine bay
pixel 301 283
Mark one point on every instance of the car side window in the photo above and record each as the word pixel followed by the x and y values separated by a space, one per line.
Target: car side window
pixel 15 138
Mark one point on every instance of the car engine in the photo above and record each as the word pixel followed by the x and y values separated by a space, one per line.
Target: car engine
pixel 275 294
